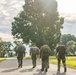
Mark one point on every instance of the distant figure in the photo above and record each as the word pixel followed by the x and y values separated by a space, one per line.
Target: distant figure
pixel 61 51
pixel 34 51
pixel 44 55
pixel 20 54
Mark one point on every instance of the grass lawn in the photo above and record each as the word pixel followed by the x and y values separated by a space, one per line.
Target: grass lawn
pixel 27 57
pixel 70 61
pixel 1 59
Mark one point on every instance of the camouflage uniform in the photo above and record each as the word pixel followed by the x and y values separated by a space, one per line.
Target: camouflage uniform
pixel 44 55
pixel 34 51
pixel 20 54
pixel 61 51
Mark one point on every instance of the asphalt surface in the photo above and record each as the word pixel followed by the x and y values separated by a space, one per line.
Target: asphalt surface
pixel 10 67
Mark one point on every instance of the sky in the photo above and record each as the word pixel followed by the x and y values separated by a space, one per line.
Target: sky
pixel 10 8
pixel 67 9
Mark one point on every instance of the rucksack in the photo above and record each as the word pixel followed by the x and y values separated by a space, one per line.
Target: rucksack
pixel 61 50
pixel 21 49
pixel 34 50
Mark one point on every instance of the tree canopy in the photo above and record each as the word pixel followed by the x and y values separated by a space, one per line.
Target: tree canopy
pixel 5 47
pixel 67 37
pixel 39 22
pixel 71 47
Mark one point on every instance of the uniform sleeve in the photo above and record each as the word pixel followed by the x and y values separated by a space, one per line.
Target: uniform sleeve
pixel 65 49
pixel 30 51
pixel 24 53
pixel 40 52
pixel 49 51
pixel 57 49
pixel 17 50
pixel 24 50
pixel 57 52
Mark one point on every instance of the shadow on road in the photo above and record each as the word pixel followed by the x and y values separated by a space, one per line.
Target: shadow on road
pixel 10 70
pixel 58 73
pixel 40 72
pixel 27 70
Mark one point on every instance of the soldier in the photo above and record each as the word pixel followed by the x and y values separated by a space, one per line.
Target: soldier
pixel 34 51
pixel 44 55
pixel 61 51
pixel 20 54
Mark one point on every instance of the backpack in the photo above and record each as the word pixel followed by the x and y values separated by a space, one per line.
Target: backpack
pixel 21 48
pixel 61 50
pixel 45 50
pixel 34 50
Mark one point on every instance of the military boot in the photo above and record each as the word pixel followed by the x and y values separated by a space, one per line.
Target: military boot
pixel 65 70
pixel 46 70
pixel 58 70
pixel 42 69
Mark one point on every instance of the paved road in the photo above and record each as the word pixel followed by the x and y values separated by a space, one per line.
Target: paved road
pixel 9 67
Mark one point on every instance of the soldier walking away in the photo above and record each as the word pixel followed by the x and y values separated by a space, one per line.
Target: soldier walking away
pixel 61 51
pixel 20 54
pixel 44 55
pixel 34 51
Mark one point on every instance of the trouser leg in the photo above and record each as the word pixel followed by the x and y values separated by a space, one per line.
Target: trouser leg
pixel 64 64
pixel 59 60
pixel 43 64
pixel 46 64
pixel 34 61
pixel 18 62
pixel 21 62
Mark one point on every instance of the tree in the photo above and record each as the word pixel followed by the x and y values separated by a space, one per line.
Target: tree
pixel 67 37
pixel 1 48
pixel 71 47
pixel 1 40
pixel 7 48
pixel 39 22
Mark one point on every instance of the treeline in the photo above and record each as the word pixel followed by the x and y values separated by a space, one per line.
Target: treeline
pixel 8 49
pixel 70 42
pixel 5 48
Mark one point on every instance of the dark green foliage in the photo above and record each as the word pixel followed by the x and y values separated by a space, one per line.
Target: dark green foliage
pixel 5 48
pixel 38 22
pixel 67 37
pixel 71 47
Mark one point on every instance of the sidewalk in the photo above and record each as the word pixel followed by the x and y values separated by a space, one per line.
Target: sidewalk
pixel 9 67
pixel 27 70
